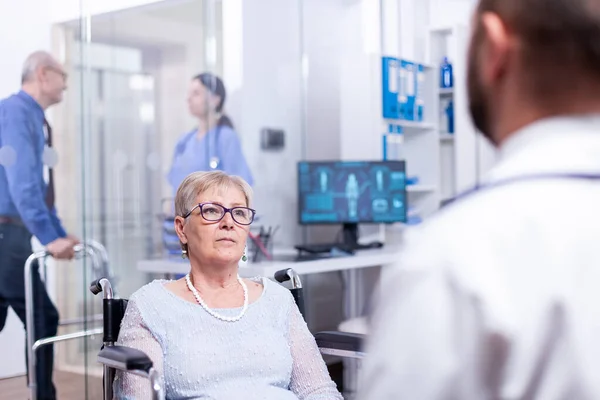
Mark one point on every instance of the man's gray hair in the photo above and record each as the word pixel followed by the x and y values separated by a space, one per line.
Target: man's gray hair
pixel 197 183
pixel 33 62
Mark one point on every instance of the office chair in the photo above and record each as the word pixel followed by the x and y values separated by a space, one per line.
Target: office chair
pixel 134 361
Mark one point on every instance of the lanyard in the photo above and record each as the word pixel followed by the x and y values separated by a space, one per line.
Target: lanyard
pixel 523 178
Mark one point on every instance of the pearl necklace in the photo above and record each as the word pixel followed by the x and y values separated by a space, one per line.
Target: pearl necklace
pixel 211 312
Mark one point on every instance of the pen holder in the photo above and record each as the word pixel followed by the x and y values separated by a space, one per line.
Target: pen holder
pixel 259 248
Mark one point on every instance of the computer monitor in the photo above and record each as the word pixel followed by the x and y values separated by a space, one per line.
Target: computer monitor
pixel 351 192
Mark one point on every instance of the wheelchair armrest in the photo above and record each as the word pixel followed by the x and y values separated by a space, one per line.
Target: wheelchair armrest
pixel 340 343
pixel 124 358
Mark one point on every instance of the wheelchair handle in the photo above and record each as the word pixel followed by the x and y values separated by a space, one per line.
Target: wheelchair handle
pixel 289 274
pixel 102 285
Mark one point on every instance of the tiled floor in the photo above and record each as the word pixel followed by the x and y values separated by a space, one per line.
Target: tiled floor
pixel 68 387
pixel 71 386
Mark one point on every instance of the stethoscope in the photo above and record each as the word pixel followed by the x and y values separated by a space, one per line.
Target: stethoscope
pixel 523 178
pixel 214 161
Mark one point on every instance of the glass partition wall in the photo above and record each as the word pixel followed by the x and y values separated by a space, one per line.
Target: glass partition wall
pixel 300 80
pixel 127 108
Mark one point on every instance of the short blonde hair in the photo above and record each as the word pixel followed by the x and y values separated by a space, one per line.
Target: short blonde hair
pixel 197 183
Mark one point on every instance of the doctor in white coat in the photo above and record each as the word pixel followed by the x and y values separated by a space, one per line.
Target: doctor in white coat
pixel 498 295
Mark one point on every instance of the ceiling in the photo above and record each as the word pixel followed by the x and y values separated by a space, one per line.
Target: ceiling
pixel 140 26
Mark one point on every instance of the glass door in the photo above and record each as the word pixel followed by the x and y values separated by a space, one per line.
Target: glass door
pixel 131 72
pixel 113 166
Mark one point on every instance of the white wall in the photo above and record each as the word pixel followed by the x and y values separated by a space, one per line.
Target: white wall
pixel 33 35
pixel 263 64
pixel 30 36
pixel 360 81
pixel 322 36
pixel 480 156
pixel 443 13
pixel 404 24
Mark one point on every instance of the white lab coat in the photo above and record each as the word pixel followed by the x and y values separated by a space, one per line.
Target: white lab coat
pixel 498 295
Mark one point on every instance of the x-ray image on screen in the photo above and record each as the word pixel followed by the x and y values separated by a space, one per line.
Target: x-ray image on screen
pixel 352 192
pixel 379 175
pixel 323 179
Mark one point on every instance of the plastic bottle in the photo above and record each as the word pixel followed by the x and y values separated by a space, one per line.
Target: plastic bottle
pixel 450 116
pixel 446 77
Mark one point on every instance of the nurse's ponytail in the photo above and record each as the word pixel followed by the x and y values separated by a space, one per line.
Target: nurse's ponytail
pixel 224 120
pixel 215 85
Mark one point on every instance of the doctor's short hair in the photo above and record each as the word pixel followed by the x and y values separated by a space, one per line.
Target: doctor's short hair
pixel 559 40
pixel 197 183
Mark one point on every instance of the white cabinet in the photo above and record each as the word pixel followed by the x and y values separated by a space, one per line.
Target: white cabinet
pixel 465 155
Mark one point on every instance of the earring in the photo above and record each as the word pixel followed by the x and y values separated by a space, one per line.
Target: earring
pixel 184 252
pixel 244 258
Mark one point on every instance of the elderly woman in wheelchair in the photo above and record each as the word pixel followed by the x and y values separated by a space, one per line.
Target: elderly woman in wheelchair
pixel 213 334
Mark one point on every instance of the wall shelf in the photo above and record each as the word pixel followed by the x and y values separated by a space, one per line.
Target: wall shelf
pixel 458 161
pixel 411 125
pixel 420 188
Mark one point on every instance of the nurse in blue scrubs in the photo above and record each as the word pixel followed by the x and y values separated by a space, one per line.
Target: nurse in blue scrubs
pixel 214 144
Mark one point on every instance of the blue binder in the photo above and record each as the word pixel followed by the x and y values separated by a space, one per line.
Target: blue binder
pixel 420 99
pixel 390 86
pixel 408 89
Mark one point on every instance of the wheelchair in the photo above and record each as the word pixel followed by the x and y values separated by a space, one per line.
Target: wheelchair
pixel 130 360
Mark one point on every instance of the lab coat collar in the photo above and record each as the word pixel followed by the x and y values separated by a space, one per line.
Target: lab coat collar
pixel 554 145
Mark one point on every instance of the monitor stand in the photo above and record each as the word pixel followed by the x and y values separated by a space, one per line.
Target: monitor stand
pixel 350 238
pixel 349 243
pixel 350 235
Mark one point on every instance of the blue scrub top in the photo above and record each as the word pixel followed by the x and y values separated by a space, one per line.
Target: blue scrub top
pixel 193 154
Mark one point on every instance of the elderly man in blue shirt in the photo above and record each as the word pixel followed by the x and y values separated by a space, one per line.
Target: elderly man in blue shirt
pixel 27 200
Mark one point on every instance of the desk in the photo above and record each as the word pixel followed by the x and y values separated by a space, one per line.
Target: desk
pixel 362 259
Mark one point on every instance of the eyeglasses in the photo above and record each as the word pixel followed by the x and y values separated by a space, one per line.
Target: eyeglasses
pixel 58 71
pixel 214 212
